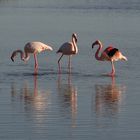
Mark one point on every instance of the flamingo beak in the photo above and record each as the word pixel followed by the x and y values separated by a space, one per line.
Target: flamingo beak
pixel 12 59
pixel 76 39
pixel 94 44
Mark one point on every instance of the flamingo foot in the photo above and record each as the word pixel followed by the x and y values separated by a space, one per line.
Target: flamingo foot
pixel 69 66
pixel 69 69
pixel 59 68
pixel 109 74
pixel 59 72
pixel 35 71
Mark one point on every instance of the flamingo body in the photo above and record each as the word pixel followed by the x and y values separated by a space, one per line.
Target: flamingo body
pixel 36 47
pixel 110 51
pixel 68 48
pixel 31 48
pixel 109 54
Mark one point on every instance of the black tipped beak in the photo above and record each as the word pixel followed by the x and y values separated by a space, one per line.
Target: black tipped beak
pixel 93 45
pixel 12 59
pixel 76 40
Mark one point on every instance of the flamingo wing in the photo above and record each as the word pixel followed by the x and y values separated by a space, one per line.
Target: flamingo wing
pixel 114 54
pixel 42 46
pixel 66 48
pixel 33 47
pixel 110 51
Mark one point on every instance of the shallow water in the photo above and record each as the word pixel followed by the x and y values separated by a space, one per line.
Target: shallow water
pixel 84 104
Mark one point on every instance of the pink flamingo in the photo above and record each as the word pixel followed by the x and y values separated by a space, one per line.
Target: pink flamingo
pixel 109 54
pixel 31 47
pixel 68 48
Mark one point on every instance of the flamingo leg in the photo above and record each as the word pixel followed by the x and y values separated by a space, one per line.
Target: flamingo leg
pixel 69 64
pixel 113 69
pixel 59 63
pixel 36 64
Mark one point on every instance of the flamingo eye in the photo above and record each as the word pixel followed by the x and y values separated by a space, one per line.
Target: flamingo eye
pixel 97 42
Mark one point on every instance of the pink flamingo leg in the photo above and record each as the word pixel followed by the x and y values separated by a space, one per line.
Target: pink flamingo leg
pixel 69 64
pixel 59 63
pixel 36 63
pixel 113 69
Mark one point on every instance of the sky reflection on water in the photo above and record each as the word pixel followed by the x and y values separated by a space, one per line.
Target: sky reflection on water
pixel 84 104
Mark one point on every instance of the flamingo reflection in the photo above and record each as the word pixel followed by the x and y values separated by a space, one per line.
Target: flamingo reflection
pixel 68 97
pixel 32 100
pixel 108 98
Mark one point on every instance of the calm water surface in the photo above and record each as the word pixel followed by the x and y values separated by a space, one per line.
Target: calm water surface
pixel 81 105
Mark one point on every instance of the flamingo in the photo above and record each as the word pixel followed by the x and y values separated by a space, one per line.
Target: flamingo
pixel 109 54
pixel 31 48
pixel 68 48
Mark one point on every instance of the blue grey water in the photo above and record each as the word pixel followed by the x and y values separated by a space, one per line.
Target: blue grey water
pixel 77 106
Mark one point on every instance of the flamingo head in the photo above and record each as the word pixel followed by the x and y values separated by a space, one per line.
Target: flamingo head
pixel 74 35
pixel 13 55
pixel 96 43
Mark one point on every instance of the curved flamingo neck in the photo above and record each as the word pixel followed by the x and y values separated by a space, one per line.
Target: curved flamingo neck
pixel 21 54
pixel 26 56
pixel 75 45
pixel 97 52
